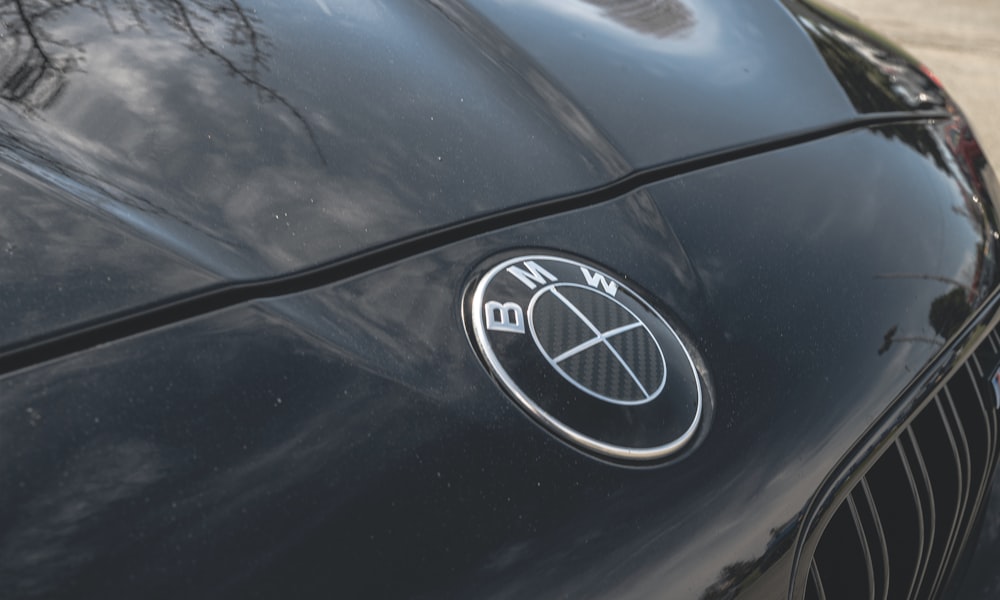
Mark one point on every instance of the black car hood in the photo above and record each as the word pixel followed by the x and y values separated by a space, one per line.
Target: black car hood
pixel 347 441
pixel 151 150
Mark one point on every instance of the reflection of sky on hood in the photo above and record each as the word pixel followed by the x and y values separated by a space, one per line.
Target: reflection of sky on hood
pixel 716 74
pixel 336 135
pixel 50 532
pixel 357 131
pixel 60 265
pixel 380 120
pixel 632 20
pixel 349 125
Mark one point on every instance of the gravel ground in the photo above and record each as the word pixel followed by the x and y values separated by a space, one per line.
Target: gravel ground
pixel 959 40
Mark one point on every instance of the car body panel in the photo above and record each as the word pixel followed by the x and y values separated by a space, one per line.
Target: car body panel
pixel 251 140
pixel 62 264
pixel 347 438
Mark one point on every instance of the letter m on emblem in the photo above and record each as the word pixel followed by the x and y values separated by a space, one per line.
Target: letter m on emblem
pixel 532 274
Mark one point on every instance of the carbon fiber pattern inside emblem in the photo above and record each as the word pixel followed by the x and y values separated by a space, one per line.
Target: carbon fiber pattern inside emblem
pixel 597 344
pixel 558 328
pixel 639 351
pixel 598 370
pixel 603 312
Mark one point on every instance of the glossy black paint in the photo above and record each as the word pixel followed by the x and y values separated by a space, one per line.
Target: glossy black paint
pixel 348 439
pixel 61 265
pixel 239 140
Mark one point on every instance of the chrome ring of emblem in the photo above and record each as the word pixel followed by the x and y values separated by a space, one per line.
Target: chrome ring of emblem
pixel 649 396
pixel 588 442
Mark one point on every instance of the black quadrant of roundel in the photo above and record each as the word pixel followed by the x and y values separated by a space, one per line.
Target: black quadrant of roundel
pixel 558 328
pixel 597 343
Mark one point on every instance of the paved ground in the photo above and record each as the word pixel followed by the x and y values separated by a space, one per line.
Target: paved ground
pixel 959 40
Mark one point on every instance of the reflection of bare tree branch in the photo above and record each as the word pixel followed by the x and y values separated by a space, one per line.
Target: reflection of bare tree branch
pixel 34 66
pixel 249 28
pixel 107 17
pixel 247 77
pixel 33 72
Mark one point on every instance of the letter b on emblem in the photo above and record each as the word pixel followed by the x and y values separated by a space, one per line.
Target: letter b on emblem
pixel 504 317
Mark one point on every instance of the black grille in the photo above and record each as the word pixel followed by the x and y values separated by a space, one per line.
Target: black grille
pixel 900 529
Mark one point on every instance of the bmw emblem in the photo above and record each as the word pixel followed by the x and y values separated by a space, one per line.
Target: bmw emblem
pixel 586 356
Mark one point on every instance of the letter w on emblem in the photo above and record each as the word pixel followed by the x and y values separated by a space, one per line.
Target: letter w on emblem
pixel 594 279
pixel 533 276
pixel 504 317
